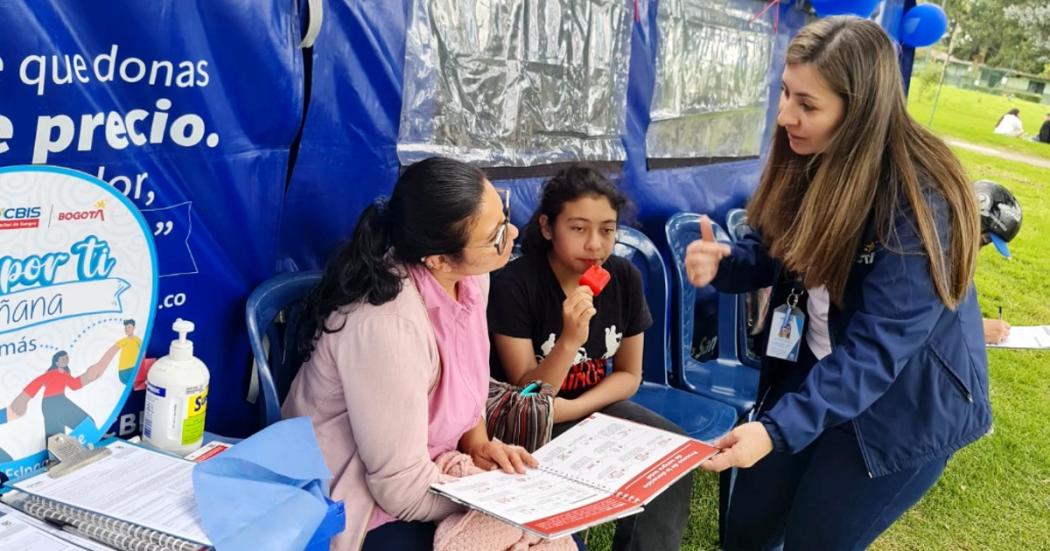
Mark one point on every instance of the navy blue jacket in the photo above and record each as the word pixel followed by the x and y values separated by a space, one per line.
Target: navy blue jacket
pixel 910 374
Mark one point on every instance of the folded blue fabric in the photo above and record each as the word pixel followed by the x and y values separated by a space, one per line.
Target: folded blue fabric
pixel 266 492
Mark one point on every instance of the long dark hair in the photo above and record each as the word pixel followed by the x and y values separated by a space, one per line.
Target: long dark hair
pixel 54 360
pixel 1013 111
pixel 571 183
pixel 429 213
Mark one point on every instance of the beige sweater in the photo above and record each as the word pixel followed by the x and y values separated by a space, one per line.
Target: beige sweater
pixel 366 388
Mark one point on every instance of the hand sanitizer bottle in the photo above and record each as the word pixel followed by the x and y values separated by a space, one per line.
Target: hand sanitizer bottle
pixel 177 397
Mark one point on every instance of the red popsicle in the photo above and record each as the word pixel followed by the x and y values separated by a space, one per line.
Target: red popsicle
pixel 596 278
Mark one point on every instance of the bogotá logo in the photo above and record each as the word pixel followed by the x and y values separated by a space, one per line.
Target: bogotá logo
pixel 96 212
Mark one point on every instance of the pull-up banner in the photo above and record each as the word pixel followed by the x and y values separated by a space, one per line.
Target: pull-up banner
pixel 187 110
pixel 78 281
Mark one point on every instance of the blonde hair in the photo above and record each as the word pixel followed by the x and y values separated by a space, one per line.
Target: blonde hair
pixel 812 210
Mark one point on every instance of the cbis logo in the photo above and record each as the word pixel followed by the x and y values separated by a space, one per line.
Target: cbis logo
pixel 17 218
pixel 95 212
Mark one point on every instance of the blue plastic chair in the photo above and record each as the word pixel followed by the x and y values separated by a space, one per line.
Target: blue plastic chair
pixel 737 228
pixel 736 223
pixel 725 377
pixel 272 316
pixel 698 416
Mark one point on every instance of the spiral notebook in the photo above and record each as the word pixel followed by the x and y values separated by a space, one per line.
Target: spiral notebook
pixel 132 499
pixel 602 469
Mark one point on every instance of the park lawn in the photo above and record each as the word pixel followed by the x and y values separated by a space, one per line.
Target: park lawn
pixel 995 493
pixel 971 116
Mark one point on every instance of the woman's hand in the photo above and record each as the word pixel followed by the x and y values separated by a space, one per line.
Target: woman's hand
pixel 995 331
pixel 511 459
pixel 576 314
pixel 742 447
pixel 702 257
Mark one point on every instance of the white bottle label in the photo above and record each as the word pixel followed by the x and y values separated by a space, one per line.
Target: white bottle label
pixel 175 415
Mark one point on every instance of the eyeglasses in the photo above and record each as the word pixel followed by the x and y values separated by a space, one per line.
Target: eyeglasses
pixel 501 234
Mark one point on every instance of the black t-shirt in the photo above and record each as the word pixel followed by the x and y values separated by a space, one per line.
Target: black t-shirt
pixel 525 301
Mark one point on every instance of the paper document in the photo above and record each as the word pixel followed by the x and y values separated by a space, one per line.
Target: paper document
pixel 9 512
pixel 601 469
pixel 133 484
pixel 18 533
pixel 1033 337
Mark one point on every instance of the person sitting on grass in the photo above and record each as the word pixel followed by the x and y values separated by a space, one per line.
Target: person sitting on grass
pixel 1010 124
pixel 1044 131
pixel 1000 222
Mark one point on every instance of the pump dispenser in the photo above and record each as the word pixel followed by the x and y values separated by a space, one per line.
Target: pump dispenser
pixel 177 396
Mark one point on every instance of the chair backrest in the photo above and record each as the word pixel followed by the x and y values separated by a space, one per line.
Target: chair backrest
pixel 736 224
pixel 738 228
pixel 723 377
pixel 682 229
pixel 272 313
pixel 642 252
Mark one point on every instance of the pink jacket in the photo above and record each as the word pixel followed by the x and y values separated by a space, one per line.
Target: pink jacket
pixel 366 388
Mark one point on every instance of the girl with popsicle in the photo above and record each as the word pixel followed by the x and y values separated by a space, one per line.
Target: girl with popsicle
pixel 567 308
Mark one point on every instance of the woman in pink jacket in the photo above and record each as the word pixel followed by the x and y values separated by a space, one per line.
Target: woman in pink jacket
pixel 397 350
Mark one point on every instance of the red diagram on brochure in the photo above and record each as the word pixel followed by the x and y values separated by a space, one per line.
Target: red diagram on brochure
pixel 602 469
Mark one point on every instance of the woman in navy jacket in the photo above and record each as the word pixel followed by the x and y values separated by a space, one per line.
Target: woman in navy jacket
pixel 868 232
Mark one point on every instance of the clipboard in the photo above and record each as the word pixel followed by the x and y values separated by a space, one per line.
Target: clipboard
pixel 104 493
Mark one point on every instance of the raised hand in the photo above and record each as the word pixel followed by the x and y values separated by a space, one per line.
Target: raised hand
pixel 702 256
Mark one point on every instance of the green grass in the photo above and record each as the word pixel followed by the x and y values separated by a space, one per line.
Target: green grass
pixel 971 116
pixel 995 494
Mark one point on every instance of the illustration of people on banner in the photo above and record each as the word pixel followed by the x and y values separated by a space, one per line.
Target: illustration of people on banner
pixel 59 411
pixel 77 294
pixel 129 346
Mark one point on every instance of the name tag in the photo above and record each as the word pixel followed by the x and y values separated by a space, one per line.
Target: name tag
pixel 785 331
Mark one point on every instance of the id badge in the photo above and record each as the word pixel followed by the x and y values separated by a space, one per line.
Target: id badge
pixel 785 332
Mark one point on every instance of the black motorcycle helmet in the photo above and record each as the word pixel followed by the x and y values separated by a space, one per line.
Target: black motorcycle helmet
pixel 1000 214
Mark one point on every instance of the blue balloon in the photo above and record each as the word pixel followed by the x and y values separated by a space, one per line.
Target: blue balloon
pixel 923 25
pixel 862 8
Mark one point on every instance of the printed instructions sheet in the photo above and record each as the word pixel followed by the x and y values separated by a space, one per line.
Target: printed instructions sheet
pixel 607 452
pixel 134 484
pixel 17 533
pixel 581 467
pixel 15 498
pixel 521 498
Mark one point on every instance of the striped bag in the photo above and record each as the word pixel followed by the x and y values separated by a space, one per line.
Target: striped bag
pixel 523 420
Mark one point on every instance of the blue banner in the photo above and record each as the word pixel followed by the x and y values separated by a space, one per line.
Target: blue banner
pixel 348 152
pixel 188 109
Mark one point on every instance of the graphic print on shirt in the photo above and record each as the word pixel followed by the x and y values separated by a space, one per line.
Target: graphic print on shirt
pixel 585 371
pixel 526 303
pixel 612 342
